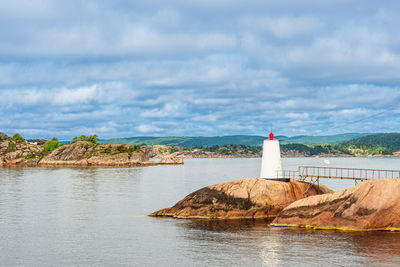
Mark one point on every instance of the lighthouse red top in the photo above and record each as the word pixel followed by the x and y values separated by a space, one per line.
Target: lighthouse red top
pixel 271 136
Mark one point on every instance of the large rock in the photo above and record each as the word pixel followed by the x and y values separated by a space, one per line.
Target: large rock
pixel 246 198
pixel 371 205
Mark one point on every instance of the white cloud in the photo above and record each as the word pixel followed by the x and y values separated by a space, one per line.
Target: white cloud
pixel 168 110
pixel 95 93
pixel 291 115
pixel 80 95
pixel 146 128
pixel 205 118
pixel 196 67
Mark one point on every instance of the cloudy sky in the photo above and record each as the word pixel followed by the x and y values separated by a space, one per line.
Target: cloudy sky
pixel 201 67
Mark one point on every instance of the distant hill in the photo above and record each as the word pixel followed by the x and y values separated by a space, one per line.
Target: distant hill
pixel 190 141
pixel 327 139
pixel 390 141
pixel 248 140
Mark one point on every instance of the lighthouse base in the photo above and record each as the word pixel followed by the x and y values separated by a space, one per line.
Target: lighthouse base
pixel 286 180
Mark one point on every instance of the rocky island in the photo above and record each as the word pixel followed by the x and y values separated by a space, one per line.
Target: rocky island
pixel 371 205
pixel 83 151
pixel 252 198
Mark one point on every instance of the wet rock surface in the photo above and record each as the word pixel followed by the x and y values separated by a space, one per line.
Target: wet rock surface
pixel 245 198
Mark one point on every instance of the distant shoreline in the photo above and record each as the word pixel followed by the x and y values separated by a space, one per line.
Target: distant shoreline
pixel 290 156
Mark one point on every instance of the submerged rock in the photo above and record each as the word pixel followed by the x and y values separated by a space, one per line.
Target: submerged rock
pixel 246 198
pixel 371 205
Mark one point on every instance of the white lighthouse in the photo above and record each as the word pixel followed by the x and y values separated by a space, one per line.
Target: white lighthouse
pixel 271 165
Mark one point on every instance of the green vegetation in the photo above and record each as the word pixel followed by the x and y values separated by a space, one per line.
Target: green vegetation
pixel 18 138
pixel 123 149
pixel 107 150
pixel 374 144
pixel 11 146
pixel 51 145
pixel 173 150
pixel 128 149
pixel 384 144
pixel 31 155
pixel 380 143
pixel 231 149
pixel 91 138
pixel 306 150
pixel 313 150
pixel 41 142
pixel 39 154
pixel 314 140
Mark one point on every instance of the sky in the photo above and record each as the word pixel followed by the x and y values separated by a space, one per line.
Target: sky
pixel 198 68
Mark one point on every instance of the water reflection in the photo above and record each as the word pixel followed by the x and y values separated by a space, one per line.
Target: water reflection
pixel 232 226
pixel 272 246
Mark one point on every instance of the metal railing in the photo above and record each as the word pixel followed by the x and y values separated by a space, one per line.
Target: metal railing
pixel 346 173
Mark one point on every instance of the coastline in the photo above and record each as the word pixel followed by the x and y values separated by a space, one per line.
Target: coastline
pixel 17 152
pixel 293 156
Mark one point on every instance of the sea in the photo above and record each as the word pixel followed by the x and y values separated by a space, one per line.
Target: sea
pixel 99 217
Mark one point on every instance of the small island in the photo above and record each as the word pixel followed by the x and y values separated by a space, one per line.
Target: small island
pixel 83 151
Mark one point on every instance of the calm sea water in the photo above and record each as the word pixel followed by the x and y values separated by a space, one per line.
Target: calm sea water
pixel 97 217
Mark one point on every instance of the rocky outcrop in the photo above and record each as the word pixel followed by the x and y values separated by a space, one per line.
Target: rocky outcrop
pixel 3 136
pixel 82 153
pixel 85 153
pixel 371 205
pixel 171 160
pixel 157 151
pixel 246 198
pixel 13 153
